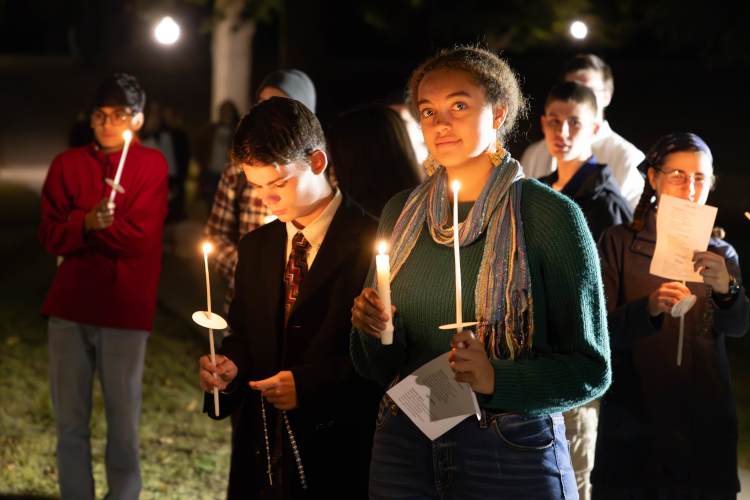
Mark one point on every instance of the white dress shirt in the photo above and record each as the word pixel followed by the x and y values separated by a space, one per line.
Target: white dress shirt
pixel 315 232
pixel 609 148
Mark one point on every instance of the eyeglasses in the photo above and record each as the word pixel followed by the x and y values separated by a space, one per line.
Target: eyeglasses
pixel 678 177
pixel 117 118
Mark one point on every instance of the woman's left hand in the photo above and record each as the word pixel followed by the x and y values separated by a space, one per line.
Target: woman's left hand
pixel 714 270
pixel 470 364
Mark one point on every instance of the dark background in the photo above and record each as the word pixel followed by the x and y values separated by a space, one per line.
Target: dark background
pixel 678 65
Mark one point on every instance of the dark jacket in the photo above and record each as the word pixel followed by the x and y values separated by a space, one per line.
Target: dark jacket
pixel 335 421
pixel 662 425
pixel 595 190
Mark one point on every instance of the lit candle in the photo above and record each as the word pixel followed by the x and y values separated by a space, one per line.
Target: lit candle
pixel 456 252
pixel 127 135
pixel 384 292
pixel 207 248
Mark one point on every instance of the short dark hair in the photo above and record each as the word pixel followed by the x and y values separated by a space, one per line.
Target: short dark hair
pixel 372 155
pixel 118 90
pixel 492 74
pixel 572 92
pixel 277 131
pixel 590 61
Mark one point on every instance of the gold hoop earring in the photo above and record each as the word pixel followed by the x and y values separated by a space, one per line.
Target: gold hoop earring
pixel 496 152
pixel 431 165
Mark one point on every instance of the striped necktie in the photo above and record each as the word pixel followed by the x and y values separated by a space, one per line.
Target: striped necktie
pixel 296 270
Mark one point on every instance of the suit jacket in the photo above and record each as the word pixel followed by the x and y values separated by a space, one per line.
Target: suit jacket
pixel 662 425
pixel 335 421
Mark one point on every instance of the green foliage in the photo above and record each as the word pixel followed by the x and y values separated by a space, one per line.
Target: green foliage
pixel 184 454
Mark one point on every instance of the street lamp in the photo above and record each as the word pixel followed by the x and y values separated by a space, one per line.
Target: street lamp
pixel 167 31
pixel 578 30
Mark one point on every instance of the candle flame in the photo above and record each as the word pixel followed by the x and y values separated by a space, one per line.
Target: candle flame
pixel 127 135
pixel 456 186
pixel 207 247
pixel 382 247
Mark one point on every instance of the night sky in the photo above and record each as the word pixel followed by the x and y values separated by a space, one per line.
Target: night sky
pixel 678 65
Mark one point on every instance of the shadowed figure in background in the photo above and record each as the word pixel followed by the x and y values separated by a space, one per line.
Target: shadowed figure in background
pixel 609 147
pixel 373 156
pixel 570 127
pixel 669 432
pixel 162 131
pixel 212 143
pixel 400 102
pixel 103 298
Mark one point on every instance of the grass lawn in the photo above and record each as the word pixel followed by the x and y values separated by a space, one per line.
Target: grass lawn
pixel 184 454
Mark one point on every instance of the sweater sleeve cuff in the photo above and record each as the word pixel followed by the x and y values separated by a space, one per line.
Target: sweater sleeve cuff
pixel 506 388
pixel 647 323
pixel 76 234
pixel 376 361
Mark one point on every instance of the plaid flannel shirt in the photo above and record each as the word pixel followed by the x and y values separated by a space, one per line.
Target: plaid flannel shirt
pixel 225 227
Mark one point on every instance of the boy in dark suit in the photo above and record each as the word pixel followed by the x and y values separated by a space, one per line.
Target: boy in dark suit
pixel 307 431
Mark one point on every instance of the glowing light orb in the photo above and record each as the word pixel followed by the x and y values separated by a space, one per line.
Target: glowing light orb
pixel 382 247
pixel 578 30
pixel 207 247
pixel 167 31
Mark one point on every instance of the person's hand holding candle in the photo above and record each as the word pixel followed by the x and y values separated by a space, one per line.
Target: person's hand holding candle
pixel 100 217
pixel 470 363
pixel 666 296
pixel 225 368
pixel 368 313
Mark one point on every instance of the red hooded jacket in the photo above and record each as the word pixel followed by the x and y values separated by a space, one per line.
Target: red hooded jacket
pixel 109 277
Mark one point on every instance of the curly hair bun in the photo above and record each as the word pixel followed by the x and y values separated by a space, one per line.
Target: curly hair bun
pixel 491 73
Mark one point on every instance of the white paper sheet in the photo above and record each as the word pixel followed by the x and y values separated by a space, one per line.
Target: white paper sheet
pixel 432 398
pixel 681 227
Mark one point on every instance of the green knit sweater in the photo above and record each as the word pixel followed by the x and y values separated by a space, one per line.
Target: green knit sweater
pixel 569 363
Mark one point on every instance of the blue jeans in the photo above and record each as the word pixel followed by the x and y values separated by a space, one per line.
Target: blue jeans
pixel 75 352
pixel 505 456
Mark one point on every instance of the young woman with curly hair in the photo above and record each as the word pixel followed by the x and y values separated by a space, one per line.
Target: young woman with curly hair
pixel 531 280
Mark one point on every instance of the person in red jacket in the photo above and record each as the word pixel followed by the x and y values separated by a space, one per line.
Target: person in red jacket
pixel 103 297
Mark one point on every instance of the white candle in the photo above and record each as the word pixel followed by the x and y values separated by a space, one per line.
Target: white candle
pixel 127 135
pixel 457 253
pixel 384 292
pixel 207 248
pixel 682 335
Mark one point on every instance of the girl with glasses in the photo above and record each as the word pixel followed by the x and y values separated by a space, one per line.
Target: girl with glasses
pixel 669 431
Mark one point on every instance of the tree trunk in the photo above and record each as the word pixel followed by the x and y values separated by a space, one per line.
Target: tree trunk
pixel 231 58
